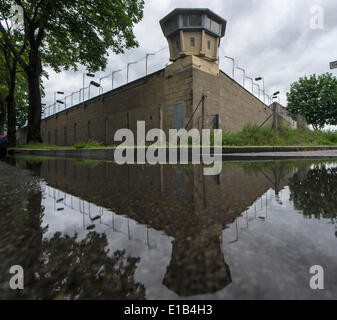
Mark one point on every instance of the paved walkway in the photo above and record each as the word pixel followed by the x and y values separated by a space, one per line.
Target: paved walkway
pixel 326 154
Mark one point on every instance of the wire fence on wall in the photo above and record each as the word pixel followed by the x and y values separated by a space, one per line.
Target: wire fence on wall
pixel 149 63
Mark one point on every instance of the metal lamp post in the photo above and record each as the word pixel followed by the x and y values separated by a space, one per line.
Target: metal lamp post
pixel 91 75
pixel 244 75
pixel 112 77
pixel 227 57
pixel 59 102
pixel 277 95
pixel 147 58
pixel 72 97
pixel 65 100
pixel 259 79
pixel 262 95
pixel 333 65
pixel 127 72
pixel 59 93
pixel 255 84
pixel 252 83
pixel 43 110
pixel 267 95
pixel 97 85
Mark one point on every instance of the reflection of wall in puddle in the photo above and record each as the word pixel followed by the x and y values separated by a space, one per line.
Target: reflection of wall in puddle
pixel 188 206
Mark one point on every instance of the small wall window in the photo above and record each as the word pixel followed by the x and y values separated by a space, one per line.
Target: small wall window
pixel 65 136
pixel 209 46
pixel 75 133
pixel 106 130
pixel 192 42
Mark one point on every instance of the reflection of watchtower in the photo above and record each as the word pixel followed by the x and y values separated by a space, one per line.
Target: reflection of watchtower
pixel 194 34
pixel 197 264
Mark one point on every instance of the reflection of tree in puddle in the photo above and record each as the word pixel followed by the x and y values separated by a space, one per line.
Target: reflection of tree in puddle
pixel 314 192
pixel 84 270
pixel 61 267
pixel 187 206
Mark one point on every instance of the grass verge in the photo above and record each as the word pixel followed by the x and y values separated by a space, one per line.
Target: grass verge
pixel 251 135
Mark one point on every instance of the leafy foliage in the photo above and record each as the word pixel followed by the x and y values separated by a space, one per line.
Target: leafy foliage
pixel 79 32
pixel 65 34
pixel 252 135
pixel 21 96
pixel 315 98
pixel 315 193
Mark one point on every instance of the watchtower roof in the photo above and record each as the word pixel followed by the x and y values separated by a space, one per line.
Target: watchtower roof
pixel 194 11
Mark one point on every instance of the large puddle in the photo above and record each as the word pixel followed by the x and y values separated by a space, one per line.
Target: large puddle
pixel 96 230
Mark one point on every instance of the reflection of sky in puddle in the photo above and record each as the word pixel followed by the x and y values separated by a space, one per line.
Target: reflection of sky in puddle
pixel 153 247
pixel 269 248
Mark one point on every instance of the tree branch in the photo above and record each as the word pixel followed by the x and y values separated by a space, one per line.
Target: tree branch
pixel 37 9
pixel 39 37
pixel 12 48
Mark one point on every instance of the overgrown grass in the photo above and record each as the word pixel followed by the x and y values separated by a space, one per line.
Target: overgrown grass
pixel 252 135
pixel 91 144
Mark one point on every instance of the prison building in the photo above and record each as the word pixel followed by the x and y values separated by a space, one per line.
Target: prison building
pixel 190 92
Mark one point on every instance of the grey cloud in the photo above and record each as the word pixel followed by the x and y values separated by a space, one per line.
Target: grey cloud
pixel 269 38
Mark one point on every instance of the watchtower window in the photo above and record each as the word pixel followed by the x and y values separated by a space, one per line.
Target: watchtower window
pixel 208 23
pixel 209 45
pixel 185 20
pixel 195 20
pixel 192 40
pixel 213 26
pixel 192 20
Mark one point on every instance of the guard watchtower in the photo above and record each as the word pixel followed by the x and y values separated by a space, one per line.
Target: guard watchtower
pixel 194 33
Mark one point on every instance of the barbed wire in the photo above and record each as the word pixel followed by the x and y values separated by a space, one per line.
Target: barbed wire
pixel 47 111
pixel 53 108
pixel 264 92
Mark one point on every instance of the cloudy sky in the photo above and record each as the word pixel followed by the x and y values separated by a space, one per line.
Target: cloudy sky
pixel 276 39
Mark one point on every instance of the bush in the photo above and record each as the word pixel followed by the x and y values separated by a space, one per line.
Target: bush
pixel 252 135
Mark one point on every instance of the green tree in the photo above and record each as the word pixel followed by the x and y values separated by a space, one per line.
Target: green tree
pixel 3 92
pixel 14 88
pixel 66 34
pixel 314 192
pixel 315 98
